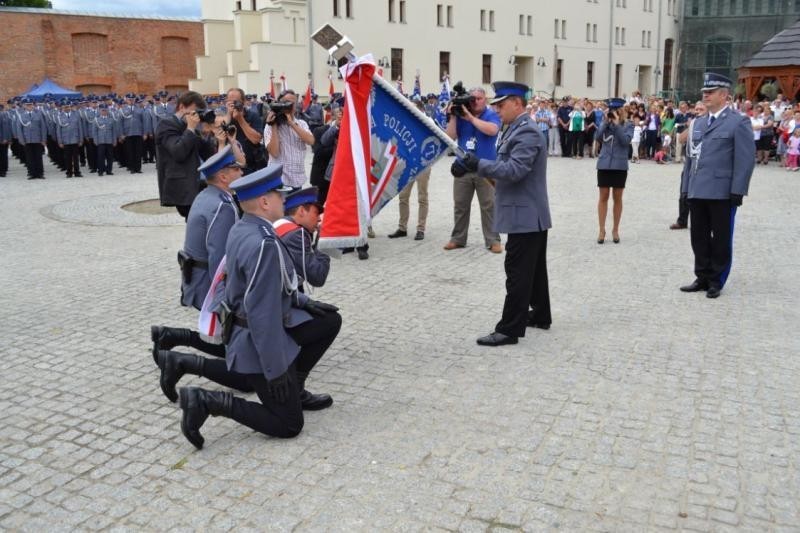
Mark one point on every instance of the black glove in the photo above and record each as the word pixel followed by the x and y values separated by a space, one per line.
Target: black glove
pixel 319 308
pixel 457 169
pixel 470 162
pixel 278 388
pixel 736 199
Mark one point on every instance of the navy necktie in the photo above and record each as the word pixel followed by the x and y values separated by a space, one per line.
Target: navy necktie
pixel 711 120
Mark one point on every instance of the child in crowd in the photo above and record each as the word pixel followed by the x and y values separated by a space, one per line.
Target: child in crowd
pixel 637 138
pixel 793 151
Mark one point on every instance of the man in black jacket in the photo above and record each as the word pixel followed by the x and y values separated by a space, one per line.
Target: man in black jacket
pixel 179 149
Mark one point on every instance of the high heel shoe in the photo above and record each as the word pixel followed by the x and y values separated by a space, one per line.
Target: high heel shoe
pixel 615 238
pixel 601 238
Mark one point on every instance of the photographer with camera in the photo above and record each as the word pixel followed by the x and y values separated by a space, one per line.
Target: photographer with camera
pixel 475 126
pixel 248 129
pixel 286 138
pixel 179 147
pixel 225 135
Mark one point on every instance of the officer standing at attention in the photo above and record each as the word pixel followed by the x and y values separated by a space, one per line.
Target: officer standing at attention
pixel 521 210
pixel 296 231
pixel 716 176
pixel 105 132
pixel 32 134
pixel 277 334
pixel 133 131
pixel 69 134
pixel 5 138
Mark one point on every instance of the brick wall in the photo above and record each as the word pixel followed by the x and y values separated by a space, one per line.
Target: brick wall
pixel 97 54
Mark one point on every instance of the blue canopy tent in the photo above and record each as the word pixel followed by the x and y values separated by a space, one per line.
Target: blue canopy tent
pixel 49 87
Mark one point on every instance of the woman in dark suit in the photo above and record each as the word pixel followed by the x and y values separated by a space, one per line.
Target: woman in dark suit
pixel 614 135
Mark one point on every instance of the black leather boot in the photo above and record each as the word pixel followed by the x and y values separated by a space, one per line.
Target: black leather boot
pixel 165 338
pixel 197 404
pixel 173 366
pixel 309 401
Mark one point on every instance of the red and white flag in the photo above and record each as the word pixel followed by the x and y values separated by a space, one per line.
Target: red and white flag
pixel 307 96
pixel 272 86
pixel 331 89
pixel 208 322
pixel 347 209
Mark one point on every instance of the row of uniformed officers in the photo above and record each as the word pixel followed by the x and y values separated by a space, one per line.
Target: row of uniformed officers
pixel 94 131
pixel 251 257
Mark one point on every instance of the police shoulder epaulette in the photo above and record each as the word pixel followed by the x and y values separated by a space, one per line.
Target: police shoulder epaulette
pixel 225 198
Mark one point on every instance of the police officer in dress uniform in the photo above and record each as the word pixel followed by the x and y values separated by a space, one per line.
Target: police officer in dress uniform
pixel 133 131
pixel 521 210
pixel 716 176
pixel 105 132
pixel 69 134
pixel 278 334
pixel 32 133
pixel 6 135
pixel 54 152
pixel 211 217
pixel 296 231
pixel 88 113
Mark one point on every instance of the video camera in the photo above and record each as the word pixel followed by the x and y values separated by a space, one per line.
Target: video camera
pixel 279 109
pixel 461 100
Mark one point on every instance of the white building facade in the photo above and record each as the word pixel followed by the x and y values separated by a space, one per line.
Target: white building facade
pixel 592 48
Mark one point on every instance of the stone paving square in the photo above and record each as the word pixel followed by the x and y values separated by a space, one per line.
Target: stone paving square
pixel 642 409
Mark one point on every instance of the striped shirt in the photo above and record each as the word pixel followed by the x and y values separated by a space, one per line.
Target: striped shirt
pixel 292 152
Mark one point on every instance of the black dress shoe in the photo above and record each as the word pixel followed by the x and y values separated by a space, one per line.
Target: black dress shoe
pixel 496 339
pixel 695 286
pixel 419 236
pixel 363 254
pixel 713 291
pixel 398 233
pixel 315 402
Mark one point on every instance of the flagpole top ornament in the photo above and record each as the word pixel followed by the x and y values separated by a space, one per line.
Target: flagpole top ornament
pixel 338 46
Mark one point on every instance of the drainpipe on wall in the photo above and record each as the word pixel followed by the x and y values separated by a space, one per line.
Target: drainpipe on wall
pixel 310 31
pixel 658 46
pixel 610 44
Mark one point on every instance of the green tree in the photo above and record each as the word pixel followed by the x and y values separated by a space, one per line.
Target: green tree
pixel 26 3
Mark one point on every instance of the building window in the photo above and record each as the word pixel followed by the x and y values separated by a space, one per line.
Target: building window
pixel 559 71
pixel 522 24
pixel 238 5
pixel 253 5
pixel 644 34
pixel 732 8
pixel 707 9
pixel 449 16
pixel 718 53
pixel 720 8
pixel 669 7
pixel 590 73
pixel 348 8
pixel 616 35
pixel 403 11
pixel 555 29
pixel 336 8
pixel 622 37
pixel 483 20
pixel 486 69
pixel 391 10
pixel 397 64
pixel 594 33
pixel 530 25
pixel 439 15
pixel 649 42
pixel 491 20
pixel 651 6
pixel 563 29
pixel 588 32
pixel 444 64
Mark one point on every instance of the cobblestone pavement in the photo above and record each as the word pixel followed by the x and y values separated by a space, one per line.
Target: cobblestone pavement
pixel 642 409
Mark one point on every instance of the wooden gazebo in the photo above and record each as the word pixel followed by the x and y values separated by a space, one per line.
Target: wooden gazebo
pixel 779 60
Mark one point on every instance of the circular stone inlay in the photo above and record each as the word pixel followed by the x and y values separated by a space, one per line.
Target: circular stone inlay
pixel 123 209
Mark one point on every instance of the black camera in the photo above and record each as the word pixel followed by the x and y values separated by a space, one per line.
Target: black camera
pixel 207 115
pixel 230 129
pixel 238 106
pixel 461 100
pixel 280 109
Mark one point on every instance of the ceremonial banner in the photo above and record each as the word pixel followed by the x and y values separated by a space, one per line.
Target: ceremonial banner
pixel 384 143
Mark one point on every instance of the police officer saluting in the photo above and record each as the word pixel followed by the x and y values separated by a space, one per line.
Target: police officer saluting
pixel 274 334
pixel 521 209
pixel 296 231
pixel 720 161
